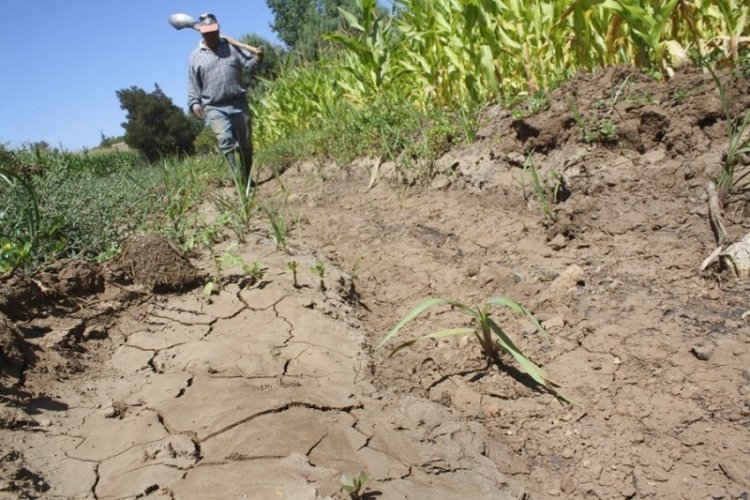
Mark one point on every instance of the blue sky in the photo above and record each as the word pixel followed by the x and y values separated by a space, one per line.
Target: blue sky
pixel 63 60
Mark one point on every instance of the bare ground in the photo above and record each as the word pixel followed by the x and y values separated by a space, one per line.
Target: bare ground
pixel 274 390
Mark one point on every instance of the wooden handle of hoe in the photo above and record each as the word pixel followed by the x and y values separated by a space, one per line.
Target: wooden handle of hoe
pixel 239 44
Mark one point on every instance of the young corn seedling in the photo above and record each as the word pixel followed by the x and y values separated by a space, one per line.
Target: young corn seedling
pixel 227 259
pixel 545 195
pixel 319 269
pixel 739 142
pixel 292 267
pixel 279 229
pixel 354 485
pixel 491 337
pixel 254 272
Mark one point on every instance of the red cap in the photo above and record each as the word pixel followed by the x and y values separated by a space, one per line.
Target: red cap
pixel 208 28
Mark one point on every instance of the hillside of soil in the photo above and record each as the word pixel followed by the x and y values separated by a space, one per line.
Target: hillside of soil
pixel 130 379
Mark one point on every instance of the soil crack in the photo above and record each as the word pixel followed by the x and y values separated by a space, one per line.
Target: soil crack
pixel 280 409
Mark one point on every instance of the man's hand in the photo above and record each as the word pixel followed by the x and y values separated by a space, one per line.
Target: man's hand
pixel 259 53
pixel 198 111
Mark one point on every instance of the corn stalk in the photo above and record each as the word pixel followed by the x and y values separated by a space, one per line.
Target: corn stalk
pixel 461 54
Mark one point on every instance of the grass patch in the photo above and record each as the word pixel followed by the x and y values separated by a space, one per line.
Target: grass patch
pixel 389 127
pixel 82 205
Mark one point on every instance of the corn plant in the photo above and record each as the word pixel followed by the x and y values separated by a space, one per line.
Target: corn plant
pixel 319 269
pixel 354 485
pixel 491 337
pixel 738 144
pixel 255 271
pixel 735 16
pixel 279 229
pixel 228 258
pixel 546 192
pixel 454 52
pixel 237 213
pixel 292 267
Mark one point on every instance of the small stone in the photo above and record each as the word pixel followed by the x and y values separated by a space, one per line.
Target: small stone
pixel 441 181
pixel 115 409
pixel 746 374
pixel 518 277
pixel 515 158
pixel 657 474
pixel 556 322
pixel 572 277
pixel 568 485
pixel 702 352
pixel 628 491
pixel 558 242
pixel 493 410
pixel 568 453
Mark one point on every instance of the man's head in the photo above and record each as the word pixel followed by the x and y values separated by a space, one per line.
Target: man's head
pixel 209 28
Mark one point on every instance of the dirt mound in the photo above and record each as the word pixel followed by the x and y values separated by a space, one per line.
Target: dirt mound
pixel 625 108
pixel 21 297
pixel 15 353
pixel 26 297
pixel 72 278
pixel 153 262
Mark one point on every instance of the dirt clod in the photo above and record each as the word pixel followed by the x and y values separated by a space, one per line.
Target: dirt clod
pixel 15 353
pixel 154 263
pixel 72 278
pixel 20 297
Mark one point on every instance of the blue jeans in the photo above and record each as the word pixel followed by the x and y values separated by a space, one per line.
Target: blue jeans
pixel 233 128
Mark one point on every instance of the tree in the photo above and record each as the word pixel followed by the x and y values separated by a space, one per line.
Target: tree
pixel 155 126
pixel 301 24
pixel 289 17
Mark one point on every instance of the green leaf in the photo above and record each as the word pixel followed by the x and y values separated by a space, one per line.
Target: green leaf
pixel 419 309
pixel 362 478
pixel 449 332
pixel 515 306
pixel 351 19
pixel 530 368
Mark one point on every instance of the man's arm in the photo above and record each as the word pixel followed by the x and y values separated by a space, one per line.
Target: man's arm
pixel 194 92
pixel 249 60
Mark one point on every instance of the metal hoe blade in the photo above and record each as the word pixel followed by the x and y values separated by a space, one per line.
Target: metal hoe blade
pixel 179 21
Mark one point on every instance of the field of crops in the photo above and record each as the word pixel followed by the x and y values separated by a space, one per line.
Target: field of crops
pixel 461 54
pixel 403 87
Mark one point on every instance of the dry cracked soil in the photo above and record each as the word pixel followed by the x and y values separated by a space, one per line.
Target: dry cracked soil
pixel 128 381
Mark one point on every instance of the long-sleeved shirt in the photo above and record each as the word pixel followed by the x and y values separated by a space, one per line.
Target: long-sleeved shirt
pixel 215 77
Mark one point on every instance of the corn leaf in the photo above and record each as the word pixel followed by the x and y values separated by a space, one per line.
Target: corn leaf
pixel 515 306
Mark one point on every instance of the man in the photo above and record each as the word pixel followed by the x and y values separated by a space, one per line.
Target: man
pixel 215 93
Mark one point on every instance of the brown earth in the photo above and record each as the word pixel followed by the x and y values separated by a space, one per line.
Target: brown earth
pixel 267 389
